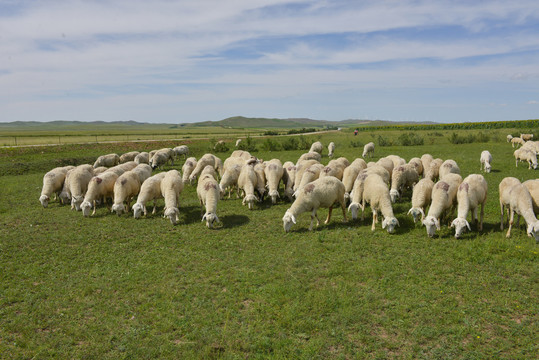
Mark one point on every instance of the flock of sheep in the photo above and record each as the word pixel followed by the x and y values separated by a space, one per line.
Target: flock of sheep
pixel 434 183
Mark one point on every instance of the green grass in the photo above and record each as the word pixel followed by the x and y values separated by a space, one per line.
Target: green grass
pixel 114 287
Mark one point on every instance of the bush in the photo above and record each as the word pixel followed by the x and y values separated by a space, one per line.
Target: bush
pixel 271 133
pixel 290 143
pixel 271 145
pixel 411 139
pixel 218 146
pixel 382 141
pixel 304 144
pixel 247 145
pixel 301 131
pixel 356 144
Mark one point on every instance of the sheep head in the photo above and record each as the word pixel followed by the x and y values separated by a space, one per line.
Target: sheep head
pixel 390 223
pixel 76 201
pixel 86 207
pixel 353 208
pixel 289 193
pixel 173 214
pixel 138 208
pixel 416 212
pixel 211 219
pixel 394 194
pixel 460 225
pixel 118 208
pixel 274 194
pixel 44 200
pixel 288 221
pixel 250 201
pixel 533 230
pixel 64 197
pixel 488 167
pixel 432 224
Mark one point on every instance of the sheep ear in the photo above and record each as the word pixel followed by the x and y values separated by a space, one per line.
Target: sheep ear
pixel 398 224
pixel 468 226
pixel 453 223
pixel 410 211
pixel 422 212
pixel 293 218
pixel 203 217
pixel 217 219
pixel 384 224
pixel 438 224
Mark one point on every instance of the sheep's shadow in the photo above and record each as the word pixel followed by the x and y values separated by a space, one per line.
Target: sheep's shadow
pixel 232 221
pixel 191 214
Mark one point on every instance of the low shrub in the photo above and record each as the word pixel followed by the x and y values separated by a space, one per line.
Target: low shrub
pixel 411 139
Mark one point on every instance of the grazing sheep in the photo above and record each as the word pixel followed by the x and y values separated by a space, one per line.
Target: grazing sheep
pixel 171 188
pixel 526 155
pixel 334 168
pixel 425 161
pixel 310 156
pixel 417 164
pixel 108 160
pixel 205 160
pixel 387 164
pixel 149 190
pixel 331 149
pixel 208 194
pixel 188 168
pixel 309 175
pixel 128 185
pixel 324 193
pixel 448 167
pixel 181 150
pixel 143 158
pixel 232 168
pixel 350 175
pixel 218 144
pixel 404 176
pixel 356 195
pixel 289 177
pixel 260 180
pixel 274 173
pixel 379 170
pixel 517 141
pixel 397 160
pixel 245 155
pixel 521 203
pixel 421 197
pixel 485 160
pixel 376 193
pixel 77 184
pixel 471 194
pixel 159 159
pixel 509 137
pixel 101 169
pixel 247 182
pixel 368 149
pixel 238 142
pixel 129 156
pixel 317 147
pixel 526 137
pixel 300 169
pixel 504 190
pixel 533 187
pixel 120 169
pixel 53 182
pixel 433 171
pixel 532 146
pixel 100 187
pixel 444 195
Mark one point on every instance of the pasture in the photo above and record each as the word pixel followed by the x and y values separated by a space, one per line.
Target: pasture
pixel 114 287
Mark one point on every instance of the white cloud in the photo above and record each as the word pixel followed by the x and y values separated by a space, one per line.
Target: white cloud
pixel 532 102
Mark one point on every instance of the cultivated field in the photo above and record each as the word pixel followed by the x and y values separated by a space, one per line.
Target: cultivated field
pixel 112 287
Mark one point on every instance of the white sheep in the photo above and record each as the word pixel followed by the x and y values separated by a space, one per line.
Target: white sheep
pixel 171 188
pixel 317 147
pixel 300 169
pixel 350 175
pixel 331 149
pixel 323 193
pixel 334 168
pixel 433 171
pixel 160 158
pixel 129 156
pixel 387 164
pixel 356 195
pixel 368 149
pixel 120 169
pixel 521 203
pixel 526 137
pixel 181 150
pixel 425 161
pixel 260 180
pixel 448 167
pixel 376 193
pixel 417 164
pixel 485 160
pixel 188 168
pixel 379 170
pixel 232 169
pixel 101 169
pixel 208 194
pixel 100 188
pixel 53 183
pixel 142 158
pixel 533 187
pixel 444 195
pixel 421 198
pixel 309 156
pixel 289 177
pixel 471 194
pixel 403 176
pixel 245 155
pixel 517 141
pixel 108 160
pixel 77 184
pixel 247 182
pixel 128 185
pixel 509 137
pixel 504 190
pixel 205 160
pixel 309 175
pixel 396 159
pixel 149 190
pixel 238 142
pixel 218 144
pixel 274 173
pixel 526 155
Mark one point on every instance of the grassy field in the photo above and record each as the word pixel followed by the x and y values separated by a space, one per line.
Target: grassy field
pixel 112 287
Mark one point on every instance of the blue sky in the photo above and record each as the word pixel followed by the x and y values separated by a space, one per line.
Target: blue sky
pixel 187 61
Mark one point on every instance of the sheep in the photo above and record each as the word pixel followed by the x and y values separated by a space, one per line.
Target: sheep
pixel 181 150
pixel 108 160
pixel 310 156
pixel 128 185
pixel 100 187
pixel 188 168
pixel 368 149
pixel 334 168
pixel 232 169
pixel 526 137
pixel 444 194
pixel 504 190
pixel 260 180
pixel 142 158
pixel 350 175
pixel 526 155
pixel 76 184
pixel 403 176
pixel 218 144
pixel 238 142
pixel 485 160
pixel 533 187
pixel 376 193
pixel 101 169
pixel 387 164
pixel 208 195
pixel 159 159
pixel 521 203
pixel 379 170
pixel 300 169
pixel 274 173
pixel 171 188
pixel 516 141
pixel 309 175
pixel 421 197
pixel 245 155
pixel 247 181
pixel 120 169
pixel 129 156
pixel 417 164
pixel 317 147
pixel 448 167
pixel 331 149
pixel 509 137
pixel 433 171
pixel 149 190
pixel 53 182
pixel 397 160
pixel 472 193
pixel 324 193
pixel 356 196
pixel 205 160
pixel 425 161
pixel 289 177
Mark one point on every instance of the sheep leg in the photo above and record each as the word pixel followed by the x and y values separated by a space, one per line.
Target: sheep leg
pixel 482 213
pixel 154 206
pixel 510 224
pixel 362 210
pixel 93 212
pixel 329 215
pixel 343 207
pixel 475 217
pixel 501 216
pixel 374 219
